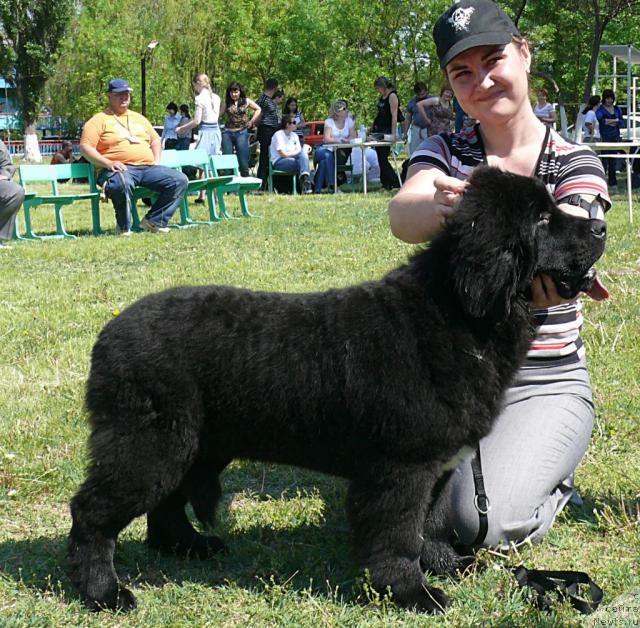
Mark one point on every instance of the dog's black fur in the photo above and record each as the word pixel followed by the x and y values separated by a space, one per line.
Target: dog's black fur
pixel 381 383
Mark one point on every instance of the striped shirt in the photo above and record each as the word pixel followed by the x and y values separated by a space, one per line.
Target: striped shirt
pixel 271 115
pixel 565 168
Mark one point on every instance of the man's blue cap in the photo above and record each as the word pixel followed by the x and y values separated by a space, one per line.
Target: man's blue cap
pixel 119 85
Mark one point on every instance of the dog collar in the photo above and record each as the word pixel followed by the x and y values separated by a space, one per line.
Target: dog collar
pixel 595 207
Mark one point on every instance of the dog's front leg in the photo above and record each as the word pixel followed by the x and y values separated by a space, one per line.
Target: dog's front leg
pixel 437 555
pixel 387 509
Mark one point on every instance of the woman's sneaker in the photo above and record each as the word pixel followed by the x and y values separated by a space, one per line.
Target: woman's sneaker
pixel 151 227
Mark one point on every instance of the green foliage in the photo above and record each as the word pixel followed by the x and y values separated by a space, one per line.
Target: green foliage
pixel 31 32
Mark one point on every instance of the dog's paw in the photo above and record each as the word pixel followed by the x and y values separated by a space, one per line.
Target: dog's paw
pixel 439 558
pixel 424 599
pixel 120 599
pixel 198 546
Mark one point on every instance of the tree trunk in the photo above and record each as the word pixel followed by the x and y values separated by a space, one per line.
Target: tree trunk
pixel 31 148
pixel 595 51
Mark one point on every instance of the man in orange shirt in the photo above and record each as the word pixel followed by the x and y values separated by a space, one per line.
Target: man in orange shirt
pixel 126 149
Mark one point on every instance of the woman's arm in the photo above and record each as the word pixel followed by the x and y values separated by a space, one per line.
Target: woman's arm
pixel 352 130
pixel 194 122
pixel 394 103
pixel 257 112
pixel 418 211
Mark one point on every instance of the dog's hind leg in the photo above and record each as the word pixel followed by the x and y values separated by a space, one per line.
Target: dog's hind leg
pixel 387 510
pixel 132 472
pixel 168 527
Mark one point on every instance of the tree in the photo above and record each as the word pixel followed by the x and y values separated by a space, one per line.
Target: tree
pixel 30 33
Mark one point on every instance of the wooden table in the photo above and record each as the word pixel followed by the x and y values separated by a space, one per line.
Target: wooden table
pixel 624 152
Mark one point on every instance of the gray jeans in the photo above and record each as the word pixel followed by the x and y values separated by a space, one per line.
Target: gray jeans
pixel 529 457
pixel 11 197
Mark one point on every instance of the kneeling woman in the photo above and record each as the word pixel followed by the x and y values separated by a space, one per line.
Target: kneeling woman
pixel 287 154
pixel 529 458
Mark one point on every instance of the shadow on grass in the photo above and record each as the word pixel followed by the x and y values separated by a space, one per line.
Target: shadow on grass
pixel 620 506
pixel 316 557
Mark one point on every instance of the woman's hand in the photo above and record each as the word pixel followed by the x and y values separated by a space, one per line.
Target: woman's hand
pixel 449 190
pixel 544 293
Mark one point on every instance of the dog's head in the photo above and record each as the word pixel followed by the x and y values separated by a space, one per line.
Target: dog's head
pixel 507 229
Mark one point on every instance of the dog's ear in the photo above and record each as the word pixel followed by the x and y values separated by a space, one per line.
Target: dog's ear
pixel 486 288
pixel 494 243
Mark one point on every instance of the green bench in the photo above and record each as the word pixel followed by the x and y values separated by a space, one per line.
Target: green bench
pixel 30 174
pixel 238 184
pixel 200 159
pixel 177 159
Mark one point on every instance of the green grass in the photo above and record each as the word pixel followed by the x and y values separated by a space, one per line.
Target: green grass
pixel 289 562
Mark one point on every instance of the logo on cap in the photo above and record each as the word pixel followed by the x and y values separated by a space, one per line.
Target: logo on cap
pixel 461 18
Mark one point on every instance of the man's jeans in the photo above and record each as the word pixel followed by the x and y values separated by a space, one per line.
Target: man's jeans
pixel 170 184
pixel 298 164
pixel 240 141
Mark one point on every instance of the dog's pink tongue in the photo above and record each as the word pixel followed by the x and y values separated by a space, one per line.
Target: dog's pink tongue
pixel 598 291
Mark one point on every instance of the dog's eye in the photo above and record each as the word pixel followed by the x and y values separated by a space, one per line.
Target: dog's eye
pixel 544 219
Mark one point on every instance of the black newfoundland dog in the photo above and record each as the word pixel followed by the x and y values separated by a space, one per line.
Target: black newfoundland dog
pixel 381 383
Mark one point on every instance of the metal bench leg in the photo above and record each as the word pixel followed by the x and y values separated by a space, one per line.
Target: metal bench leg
pixel 222 206
pixel 244 208
pixel 28 228
pixel 95 217
pixel 60 230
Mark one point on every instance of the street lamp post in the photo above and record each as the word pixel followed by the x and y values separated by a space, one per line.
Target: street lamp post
pixel 143 74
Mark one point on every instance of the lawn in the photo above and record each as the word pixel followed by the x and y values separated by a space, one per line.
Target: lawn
pixel 289 560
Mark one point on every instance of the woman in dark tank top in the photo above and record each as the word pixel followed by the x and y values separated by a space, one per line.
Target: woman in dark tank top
pixel 386 121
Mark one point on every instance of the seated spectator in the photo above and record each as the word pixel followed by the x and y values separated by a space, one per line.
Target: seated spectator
pixel 338 129
pixel 184 137
pixel 590 127
pixel 169 137
pixel 543 109
pixel 64 155
pixel 288 155
pixel 11 196
pixel 236 108
pixel 126 149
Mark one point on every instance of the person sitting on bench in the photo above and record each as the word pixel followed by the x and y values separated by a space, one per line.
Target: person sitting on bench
pixel 126 148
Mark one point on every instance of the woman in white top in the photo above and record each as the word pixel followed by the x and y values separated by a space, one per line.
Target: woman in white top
pixel 287 154
pixel 205 117
pixel 338 129
pixel 544 109
pixel 590 127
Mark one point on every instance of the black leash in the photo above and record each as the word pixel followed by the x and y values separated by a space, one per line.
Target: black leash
pixel 548 585
pixel 563 583
pixel 481 500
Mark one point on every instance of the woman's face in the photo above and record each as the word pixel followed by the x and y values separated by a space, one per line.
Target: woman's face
pixel 447 95
pixel 542 97
pixel 172 112
pixel 235 94
pixel 608 101
pixel 490 82
pixel 198 85
pixel 292 106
